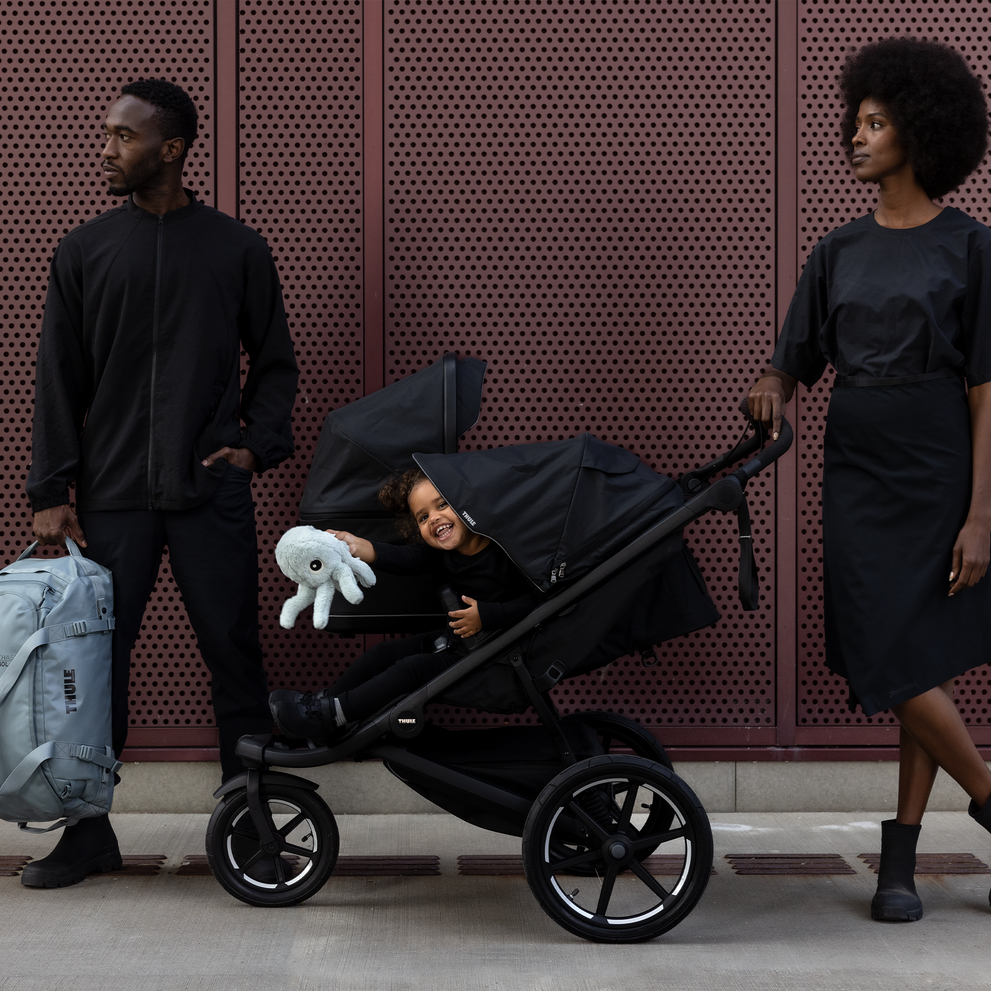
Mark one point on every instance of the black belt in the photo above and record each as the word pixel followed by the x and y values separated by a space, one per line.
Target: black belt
pixel 863 382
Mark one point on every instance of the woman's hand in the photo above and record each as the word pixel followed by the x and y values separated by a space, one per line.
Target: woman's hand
pixel 971 552
pixel 971 555
pixel 359 547
pixel 466 622
pixel 769 397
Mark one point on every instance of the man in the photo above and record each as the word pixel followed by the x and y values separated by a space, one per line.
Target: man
pixel 139 404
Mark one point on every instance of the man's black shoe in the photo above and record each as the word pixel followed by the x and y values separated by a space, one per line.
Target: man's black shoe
pixel 88 846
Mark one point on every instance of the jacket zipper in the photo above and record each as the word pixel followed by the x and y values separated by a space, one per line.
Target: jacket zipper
pixel 154 358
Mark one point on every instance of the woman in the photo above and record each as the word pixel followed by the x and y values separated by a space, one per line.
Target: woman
pixel 899 302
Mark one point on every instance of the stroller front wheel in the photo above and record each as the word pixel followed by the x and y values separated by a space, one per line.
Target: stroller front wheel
pixel 308 840
pixel 585 842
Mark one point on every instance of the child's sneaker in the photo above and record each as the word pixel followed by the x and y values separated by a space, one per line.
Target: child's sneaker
pixel 305 715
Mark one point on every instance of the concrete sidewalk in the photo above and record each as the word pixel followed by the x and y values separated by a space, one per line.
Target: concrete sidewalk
pixel 451 932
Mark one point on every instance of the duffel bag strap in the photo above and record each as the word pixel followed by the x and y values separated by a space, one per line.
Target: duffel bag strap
pixel 47 751
pixel 48 634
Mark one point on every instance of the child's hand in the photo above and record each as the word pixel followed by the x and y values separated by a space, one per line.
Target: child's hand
pixel 358 546
pixel 466 622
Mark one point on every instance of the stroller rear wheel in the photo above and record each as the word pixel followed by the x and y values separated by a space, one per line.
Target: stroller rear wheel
pixel 587 835
pixel 617 731
pixel 307 835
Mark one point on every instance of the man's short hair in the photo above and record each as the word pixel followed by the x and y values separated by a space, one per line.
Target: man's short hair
pixel 175 112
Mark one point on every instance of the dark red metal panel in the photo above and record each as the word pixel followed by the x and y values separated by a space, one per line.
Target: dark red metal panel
pixel 590 197
pixel 66 62
pixel 302 168
pixel 584 197
pixel 830 196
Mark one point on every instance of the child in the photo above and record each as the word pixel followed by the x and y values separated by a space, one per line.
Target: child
pixel 494 590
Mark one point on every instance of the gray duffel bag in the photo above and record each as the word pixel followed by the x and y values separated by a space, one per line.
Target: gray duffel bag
pixel 56 758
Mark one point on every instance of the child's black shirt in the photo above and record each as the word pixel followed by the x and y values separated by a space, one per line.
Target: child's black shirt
pixel 504 596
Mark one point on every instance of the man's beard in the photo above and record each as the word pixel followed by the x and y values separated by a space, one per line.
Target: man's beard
pixel 124 183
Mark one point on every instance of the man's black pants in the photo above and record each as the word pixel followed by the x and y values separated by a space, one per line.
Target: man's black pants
pixel 213 553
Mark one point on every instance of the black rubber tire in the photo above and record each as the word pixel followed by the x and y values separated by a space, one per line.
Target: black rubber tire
pixel 624 903
pixel 618 731
pixel 306 829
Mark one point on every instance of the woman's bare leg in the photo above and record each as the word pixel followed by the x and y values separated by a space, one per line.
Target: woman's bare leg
pixel 916 774
pixel 932 722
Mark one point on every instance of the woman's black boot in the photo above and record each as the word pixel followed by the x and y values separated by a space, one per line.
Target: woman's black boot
pixel 896 899
pixel 983 817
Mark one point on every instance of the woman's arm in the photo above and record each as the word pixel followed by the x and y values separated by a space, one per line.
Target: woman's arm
pixel 972 550
pixel 769 397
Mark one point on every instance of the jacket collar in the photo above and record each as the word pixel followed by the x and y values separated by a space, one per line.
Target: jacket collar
pixel 173 215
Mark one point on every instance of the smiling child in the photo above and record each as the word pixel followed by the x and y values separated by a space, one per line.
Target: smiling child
pixel 495 593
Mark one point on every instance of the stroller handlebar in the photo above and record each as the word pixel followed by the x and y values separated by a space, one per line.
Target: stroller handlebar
pixel 770 454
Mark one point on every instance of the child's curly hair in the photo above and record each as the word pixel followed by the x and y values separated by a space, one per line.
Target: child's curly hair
pixel 394 495
pixel 935 102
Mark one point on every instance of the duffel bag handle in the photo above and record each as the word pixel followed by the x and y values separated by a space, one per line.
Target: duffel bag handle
pixel 70 545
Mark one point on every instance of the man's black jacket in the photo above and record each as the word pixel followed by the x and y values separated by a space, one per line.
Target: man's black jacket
pixel 138 374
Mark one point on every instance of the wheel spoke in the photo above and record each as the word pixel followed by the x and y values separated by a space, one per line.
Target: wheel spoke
pixel 627 811
pixel 300 851
pixel 653 842
pixel 608 883
pixel 291 825
pixel 649 879
pixel 576 861
pixel 246 832
pixel 587 820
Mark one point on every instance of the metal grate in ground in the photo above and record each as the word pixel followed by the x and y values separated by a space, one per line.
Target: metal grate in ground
pixel 136 865
pixel 937 863
pixel 789 863
pixel 10 865
pixel 195 865
pixel 511 865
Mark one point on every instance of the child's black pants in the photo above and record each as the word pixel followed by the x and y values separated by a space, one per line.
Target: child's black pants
pixel 387 672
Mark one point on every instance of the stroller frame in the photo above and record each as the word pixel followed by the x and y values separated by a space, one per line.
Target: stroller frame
pixel 581 826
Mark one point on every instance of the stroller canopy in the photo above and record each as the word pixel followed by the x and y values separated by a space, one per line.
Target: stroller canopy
pixel 362 444
pixel 557 509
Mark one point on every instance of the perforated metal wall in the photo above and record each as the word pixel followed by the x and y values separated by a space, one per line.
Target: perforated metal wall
pixel 582 194
pixel 301 174
pixel 584 197
pixel 65 62
pixel 830 196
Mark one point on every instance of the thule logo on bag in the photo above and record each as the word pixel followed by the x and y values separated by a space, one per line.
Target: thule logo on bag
pixel 5 660
pixel 69 680
pixel 468 518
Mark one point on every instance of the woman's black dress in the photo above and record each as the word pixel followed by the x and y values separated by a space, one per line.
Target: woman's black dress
pixel 904 316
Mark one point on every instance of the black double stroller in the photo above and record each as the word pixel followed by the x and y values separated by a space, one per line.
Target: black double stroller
pixel 616 847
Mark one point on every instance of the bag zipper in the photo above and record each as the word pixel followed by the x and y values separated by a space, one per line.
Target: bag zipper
pixel 557 573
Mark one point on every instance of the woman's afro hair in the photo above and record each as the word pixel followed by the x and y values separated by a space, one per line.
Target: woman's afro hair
pixel 175 112
pixel 394 495
pixel 935 101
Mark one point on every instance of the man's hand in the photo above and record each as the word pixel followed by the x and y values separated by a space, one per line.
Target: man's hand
pixel 243 457
pixel 467 622
pixel 52 526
